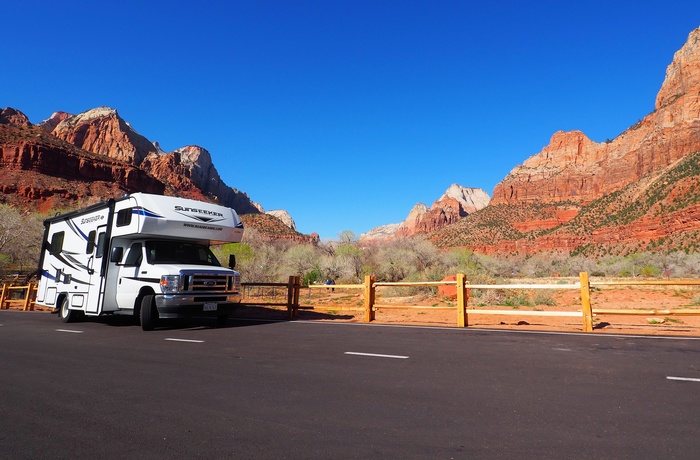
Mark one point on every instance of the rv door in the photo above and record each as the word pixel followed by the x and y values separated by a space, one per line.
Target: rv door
pixel 130 283
pixel 97 243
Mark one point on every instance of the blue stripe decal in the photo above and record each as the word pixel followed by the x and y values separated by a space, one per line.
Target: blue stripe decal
pixel 77 230
pixel 146 213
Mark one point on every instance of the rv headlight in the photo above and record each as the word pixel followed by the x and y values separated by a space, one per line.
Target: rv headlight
pixel 170 283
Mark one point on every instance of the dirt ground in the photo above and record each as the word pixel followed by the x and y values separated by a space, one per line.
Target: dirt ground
pixel 648 302
pixel 346 306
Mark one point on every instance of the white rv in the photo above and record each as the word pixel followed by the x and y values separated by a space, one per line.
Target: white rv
pixel 142 255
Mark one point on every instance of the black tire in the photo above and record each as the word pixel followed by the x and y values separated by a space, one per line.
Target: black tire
pixel 137 310
pixel 67 315
pixel 149 313
pixel 221 320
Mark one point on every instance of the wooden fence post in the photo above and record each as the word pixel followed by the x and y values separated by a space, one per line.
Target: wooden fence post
pixel 586 310
pixel 462 300
pixel 28 299
pixel 369 298
pixel 297 292
pixel 291 309
pixel 2 297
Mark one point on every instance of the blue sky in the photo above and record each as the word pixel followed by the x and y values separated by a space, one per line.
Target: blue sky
pixel 347 113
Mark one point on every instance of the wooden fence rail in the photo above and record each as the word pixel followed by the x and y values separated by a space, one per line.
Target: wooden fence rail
pixel 292 287
pixel 463 287
pixel 23 297
pixel 19 296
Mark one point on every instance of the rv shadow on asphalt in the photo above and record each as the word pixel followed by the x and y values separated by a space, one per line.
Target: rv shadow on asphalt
pixel 242 316
pixel 250 312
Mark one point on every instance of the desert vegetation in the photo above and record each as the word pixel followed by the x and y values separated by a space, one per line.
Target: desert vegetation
pixel 347 260
pixel 417 259
pixel 20 240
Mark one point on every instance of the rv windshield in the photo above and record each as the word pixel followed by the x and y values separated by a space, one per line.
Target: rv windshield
pixel 178 252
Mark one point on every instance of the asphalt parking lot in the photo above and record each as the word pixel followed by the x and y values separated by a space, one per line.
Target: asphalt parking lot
pixel 253 389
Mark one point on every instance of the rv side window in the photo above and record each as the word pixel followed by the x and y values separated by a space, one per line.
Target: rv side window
pixel 100 245
pixel 135 255
pixel 124 217
pixel 56 243
pixel 91 242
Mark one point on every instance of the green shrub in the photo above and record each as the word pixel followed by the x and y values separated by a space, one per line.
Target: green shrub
pixel 545 298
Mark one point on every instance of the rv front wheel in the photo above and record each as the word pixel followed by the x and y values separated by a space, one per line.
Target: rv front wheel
pixel 67 315
pixel 149 313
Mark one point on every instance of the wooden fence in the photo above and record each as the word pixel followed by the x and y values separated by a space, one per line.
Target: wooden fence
pixel 18 296
pixel 292 287
pixel 463 287
pixel 23 297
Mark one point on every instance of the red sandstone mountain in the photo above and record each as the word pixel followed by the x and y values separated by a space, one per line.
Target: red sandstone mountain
pixel 637 191
pixel 10 116
pixel 104 132
pixel 455 204
pixel 39 171
pixel 574 168
pixel 69 160
pixel 191 170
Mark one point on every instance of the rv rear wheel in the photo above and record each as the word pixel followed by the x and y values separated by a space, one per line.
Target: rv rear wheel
pixel 67 315
pixel 149 313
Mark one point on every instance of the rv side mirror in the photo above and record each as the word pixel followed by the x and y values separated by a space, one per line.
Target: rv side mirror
pixel 232 261
pixel 117 254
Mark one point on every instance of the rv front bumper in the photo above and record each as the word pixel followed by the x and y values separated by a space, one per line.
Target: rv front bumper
pixel 179 306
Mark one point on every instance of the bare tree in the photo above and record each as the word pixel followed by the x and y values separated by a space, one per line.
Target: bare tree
pixel 347 236
pixel 20 237
pixel 300 259
pixel 10 225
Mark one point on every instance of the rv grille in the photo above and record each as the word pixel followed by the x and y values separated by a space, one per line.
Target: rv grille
pixel 208 283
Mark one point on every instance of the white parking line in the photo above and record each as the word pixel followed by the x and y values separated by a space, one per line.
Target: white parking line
pixel 72 331
pixel 683 379
pixel 185 340
pixel 477 329
pixel 375 355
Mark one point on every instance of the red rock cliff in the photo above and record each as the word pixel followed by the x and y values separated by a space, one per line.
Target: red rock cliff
pixel 102 131
pixel 572 167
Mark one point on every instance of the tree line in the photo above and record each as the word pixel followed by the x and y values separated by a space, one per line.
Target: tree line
pixel 348 260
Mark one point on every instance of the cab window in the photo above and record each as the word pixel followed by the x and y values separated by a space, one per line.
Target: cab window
pixel 135 255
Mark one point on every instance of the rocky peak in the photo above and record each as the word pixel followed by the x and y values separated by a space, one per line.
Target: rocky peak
pixel 284 216
pixel 103 131
pixel 159 150
pixel 471 199
pixel 108 148
pixel 456 203
pixel 383 232
pixel 574 168
pixel 10 116
pixel 202 170
pixel 415 215
pixel 683 74
pixel 50 123
pixel 190 168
